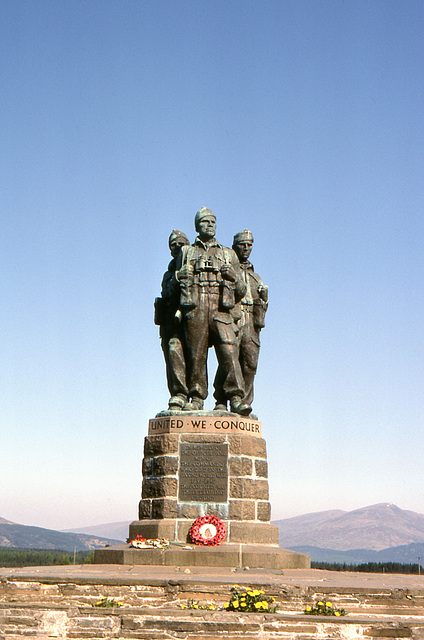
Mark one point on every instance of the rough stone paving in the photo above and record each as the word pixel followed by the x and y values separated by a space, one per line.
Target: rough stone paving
pixel 57 602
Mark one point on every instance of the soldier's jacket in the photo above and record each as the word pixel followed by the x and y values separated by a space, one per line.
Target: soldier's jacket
pixel 252 302
pixel 167 305
pixel 167 291
pixel 207 261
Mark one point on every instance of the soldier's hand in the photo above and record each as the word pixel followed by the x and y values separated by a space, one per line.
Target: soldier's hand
pixel 186 272
pixel 228 272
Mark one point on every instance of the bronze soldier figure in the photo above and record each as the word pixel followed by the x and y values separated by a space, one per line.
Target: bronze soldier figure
pixel 168 317
pixel 254 305
pixel 211 287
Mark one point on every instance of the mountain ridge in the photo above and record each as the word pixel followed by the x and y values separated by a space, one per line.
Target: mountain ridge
pixel 328 534
pixel 376 527
pixel 20 536
pixel 117 530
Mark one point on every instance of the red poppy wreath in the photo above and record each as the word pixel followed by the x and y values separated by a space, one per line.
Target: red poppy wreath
pixel 208 531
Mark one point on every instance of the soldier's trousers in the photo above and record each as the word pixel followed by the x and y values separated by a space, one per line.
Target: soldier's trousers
pixel 205 326
pixel 249 345
pixel 173 351
pixel 249 355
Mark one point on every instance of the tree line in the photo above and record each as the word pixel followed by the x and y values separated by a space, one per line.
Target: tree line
pixel 11 557
pixel 370 567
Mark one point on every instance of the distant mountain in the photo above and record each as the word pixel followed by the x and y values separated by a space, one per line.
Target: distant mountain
pixel 377 527
pixel 378 533
pixel 117 530
pixel 405 554
pixel 23 537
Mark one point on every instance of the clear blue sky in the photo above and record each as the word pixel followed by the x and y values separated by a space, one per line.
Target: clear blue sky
pixel 301 120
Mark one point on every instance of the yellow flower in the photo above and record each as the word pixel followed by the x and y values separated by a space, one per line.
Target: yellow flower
pixel 320 604
pixel 243 604
pixel 183 606
pixel 328 604
pixel 195 606
pixel 251 593
pixel 308 608
pixel 235 604
pixel 337 613
pixel 226 605
pixel 258 605
pixel 211 607
pixel 264 603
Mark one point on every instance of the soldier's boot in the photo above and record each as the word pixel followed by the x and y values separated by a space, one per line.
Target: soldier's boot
pixel 238 406
pixel 220 406
pixel 196 404
pixel 177 402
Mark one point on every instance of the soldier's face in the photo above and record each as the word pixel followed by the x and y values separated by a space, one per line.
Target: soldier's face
pixel 206 227
pixel 243 250
pixel 175 246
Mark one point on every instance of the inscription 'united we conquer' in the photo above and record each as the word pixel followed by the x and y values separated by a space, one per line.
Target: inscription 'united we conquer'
pixel 191 424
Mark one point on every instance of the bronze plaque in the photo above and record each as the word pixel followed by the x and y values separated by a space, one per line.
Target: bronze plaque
pixel 203 472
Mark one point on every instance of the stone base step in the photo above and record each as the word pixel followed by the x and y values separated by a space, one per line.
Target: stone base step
pixel 177 530
pixel 225 555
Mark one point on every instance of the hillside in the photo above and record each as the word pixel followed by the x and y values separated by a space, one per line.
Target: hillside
pixel 116 530
pixel 376 527
pixel 25 537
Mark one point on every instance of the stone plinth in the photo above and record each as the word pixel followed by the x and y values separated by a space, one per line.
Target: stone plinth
pixel 202 464
pixel 184 476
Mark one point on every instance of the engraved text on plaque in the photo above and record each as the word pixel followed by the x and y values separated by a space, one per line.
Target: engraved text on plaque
pixel 203 472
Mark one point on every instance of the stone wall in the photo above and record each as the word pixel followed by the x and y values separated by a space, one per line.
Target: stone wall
pixel 152 612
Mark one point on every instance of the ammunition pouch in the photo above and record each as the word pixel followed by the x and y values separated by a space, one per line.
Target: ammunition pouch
pixel 160 311
pixel 259 310
pixel 228 298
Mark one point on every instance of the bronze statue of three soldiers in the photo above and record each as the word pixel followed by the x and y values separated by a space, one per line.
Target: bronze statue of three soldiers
pixel 211 296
